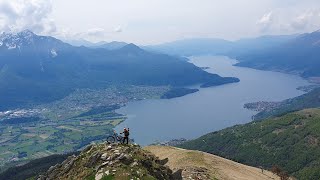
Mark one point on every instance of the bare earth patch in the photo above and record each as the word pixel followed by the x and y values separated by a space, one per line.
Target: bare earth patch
pixel 200 165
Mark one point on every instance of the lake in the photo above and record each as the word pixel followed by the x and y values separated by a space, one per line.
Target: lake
pixel 210 109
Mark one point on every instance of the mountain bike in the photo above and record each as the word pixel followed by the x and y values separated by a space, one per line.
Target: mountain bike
pixel 114 138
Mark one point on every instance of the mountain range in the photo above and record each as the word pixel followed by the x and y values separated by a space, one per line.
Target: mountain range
pixel 215 46
pixel 111 45
pixel 102 44
pixel 36 69
pixel 299 55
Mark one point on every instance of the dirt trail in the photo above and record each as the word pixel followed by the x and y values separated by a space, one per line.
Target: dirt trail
pixel 200 165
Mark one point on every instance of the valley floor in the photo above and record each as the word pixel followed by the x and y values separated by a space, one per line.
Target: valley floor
pixel 200 165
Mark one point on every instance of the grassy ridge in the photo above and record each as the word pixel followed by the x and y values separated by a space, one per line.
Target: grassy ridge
pixel 290 141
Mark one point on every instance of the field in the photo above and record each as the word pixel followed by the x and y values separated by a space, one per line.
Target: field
pixel 32 141
pixel 65 125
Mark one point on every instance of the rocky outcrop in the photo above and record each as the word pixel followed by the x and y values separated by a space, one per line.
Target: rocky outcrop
pixel 110 161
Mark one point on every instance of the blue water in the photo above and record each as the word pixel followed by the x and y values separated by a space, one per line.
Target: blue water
pixel 210 109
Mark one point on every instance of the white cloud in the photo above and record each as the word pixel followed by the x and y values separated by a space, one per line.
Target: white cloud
pixel 289 21
pixel 266 21
pixel 118 29
pixel 266 18
pixel 95 32
pixel 303 20
pixel 151 22
pixel 92 34
pixel 17 15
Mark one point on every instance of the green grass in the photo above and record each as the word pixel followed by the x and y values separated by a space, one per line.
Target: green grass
pixel 109 177
pixel 63 136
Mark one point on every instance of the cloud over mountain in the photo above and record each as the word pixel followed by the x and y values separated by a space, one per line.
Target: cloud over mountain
pixel 266 21
pixel 146 22
pixel 306 19
pixel 17 15
pixel 289 21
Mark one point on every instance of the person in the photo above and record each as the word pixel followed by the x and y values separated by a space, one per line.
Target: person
pixel 126 135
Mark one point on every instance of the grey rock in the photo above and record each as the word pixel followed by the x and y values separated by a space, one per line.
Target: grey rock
pixel 68 165
pixel 134 164
pixel 121 156
pixel 93 159
pixel 87 148
pixel 98 176
pixel 104 156
pixel 109 147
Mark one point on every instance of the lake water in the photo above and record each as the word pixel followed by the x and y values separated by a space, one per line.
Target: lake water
pixel 210 109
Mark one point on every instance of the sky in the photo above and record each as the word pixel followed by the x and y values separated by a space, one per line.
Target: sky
pixel 147 22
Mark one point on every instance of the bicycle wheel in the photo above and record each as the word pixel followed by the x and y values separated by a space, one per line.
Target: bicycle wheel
pixel 120 139
pixel 111 139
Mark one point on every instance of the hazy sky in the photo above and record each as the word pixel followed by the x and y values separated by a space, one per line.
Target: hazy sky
pixel 156 21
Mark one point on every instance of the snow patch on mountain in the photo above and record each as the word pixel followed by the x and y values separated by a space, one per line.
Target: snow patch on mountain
pixel 11 46
pixel 41 66
pixel 14 40
pixel 54 53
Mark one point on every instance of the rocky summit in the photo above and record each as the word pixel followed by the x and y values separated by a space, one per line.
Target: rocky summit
pixel 110 161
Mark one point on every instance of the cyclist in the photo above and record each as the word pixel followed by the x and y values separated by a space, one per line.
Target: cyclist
pixel 126 135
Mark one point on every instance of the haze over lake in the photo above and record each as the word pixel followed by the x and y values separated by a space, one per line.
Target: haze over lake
pixel 210 109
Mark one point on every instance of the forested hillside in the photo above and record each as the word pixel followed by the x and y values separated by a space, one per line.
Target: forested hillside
pixel 290 142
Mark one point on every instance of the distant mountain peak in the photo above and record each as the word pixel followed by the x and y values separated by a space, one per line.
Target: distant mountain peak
pixel 113 45
pixel 26 33
pixel 131 47
pixel 13 40
pixel 131 50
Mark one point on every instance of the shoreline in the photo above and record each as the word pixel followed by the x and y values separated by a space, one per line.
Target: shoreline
pixel 313 80
pixel 140 113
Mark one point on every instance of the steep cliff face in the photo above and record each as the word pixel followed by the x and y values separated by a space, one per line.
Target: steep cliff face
pixel 110 161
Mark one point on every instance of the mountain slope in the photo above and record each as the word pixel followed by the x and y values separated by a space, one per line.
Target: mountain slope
pixel 308 100
pixel 197 164
pixel 249 45
pixel 37 69
pixel 117 161
pixel 299 55
pixel 111 45
pixel 290 141
pixel 114 161
pixel 192 47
